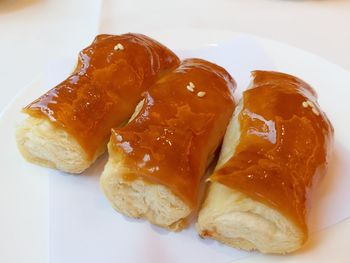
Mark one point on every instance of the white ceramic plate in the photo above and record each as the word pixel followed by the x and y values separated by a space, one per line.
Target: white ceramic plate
pixel 24 188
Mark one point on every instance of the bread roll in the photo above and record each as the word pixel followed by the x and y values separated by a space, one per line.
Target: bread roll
pixel 69 126
pixel 157 161
pixel 275 150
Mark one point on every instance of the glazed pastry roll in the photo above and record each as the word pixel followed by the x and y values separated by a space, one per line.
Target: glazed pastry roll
pixel 157 161
pixel 276 148
pixel 69 126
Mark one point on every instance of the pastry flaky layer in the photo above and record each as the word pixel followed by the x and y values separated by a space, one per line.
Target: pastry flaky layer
pixel 275 150
pixel 69 126
pixel 157 161
pixel 139 198
pixel 234 219
pixel 43 143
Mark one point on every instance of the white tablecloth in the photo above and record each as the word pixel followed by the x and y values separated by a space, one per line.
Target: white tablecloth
pixel 35 31
pixel 319 26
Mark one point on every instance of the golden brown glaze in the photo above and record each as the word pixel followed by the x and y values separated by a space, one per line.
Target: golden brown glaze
pixel 176 132
pixel 105 87
pixel 284 145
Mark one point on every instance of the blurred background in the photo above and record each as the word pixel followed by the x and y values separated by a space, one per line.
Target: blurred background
pixel 35 31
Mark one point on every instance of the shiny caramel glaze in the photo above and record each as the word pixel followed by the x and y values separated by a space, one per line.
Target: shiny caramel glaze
pixel 105 87
pixel 176 132
pixel 284 145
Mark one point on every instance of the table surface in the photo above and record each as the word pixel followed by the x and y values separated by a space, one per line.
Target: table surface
pixel 36 31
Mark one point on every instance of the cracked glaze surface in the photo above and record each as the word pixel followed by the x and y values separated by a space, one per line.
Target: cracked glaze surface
pixel 284 146
pixel 104 88
pixel 177 131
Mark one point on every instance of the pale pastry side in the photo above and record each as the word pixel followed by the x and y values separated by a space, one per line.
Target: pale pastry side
pixel 238 221
pixel 42 143
pixel 140 199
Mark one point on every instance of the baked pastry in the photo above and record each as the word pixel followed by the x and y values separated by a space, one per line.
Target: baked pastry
pixel 276 148
pixel 69 126
pixel 157 161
